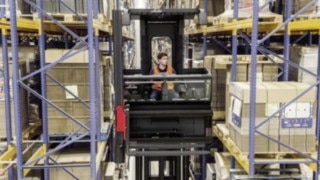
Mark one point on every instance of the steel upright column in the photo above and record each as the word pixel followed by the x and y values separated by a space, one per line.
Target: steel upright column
pixel 42 44
pixel 3 8
pixel 6 85
pixel 93 118
pixel 16 87
pixel 6 78
pixel 234 43
pixel 97 71
pixel 253 87
pixel 204 43
pixel 318 110
pixel 286 40
pixel 7 100
pixel 234 55
pixel 204 160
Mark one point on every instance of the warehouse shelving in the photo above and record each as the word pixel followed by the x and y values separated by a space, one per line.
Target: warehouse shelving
pixel 238 29
pixel 295 27
pixel 27 25
pixel 255 48
pixel 41 27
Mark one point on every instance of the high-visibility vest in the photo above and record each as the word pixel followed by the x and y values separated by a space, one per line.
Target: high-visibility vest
pixel 158 86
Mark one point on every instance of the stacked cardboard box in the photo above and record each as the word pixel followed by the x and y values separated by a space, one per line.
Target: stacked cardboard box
pixel 110 171
pixel 23 103
pixel 74 75
pixel 222 165
pixel 197 64
pixel 211 174
pixel 306 57
pixel 296 5
pixel 214 7
pixel 220 68
pixel 54 7
pixel 293 126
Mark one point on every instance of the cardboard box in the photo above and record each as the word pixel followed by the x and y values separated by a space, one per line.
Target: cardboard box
pixel 278 92
pixel 242 141
pixel 309 96
pixel 269 77
pixel 270 68
pixel 298 142
pixel 260 110
pixel 208 63
pixel 75 77
pixel 55 92
pixel 244 127
pixel 259 74
pixel 23 103
pixel 197 64
pixel 80 57
pixel 311 142
pixel 306 57
pixel 274 133
pixel 210 171
pixel 53 55
pixel 284 136
pixel 296 5
pixel 232 132
pixel 242 91
pixel 283 126
pixel 221 74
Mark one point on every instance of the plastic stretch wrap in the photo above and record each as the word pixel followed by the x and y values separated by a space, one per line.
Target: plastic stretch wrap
pixel 245 9
pixel 296 5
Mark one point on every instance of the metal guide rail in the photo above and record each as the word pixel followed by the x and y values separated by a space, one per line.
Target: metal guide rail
pixel 189 87
pixel 266 174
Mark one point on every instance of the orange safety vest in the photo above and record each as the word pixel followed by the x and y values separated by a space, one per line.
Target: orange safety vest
pixel 158 86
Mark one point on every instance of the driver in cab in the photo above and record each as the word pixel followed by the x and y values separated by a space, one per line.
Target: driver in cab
pixel 162 68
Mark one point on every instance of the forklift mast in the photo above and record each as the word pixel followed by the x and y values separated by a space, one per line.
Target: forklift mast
pixel 169 130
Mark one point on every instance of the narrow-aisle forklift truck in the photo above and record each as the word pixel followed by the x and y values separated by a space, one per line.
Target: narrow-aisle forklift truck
pixel 161 134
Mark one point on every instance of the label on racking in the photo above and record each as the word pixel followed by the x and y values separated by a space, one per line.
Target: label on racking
pixel 236 120
pixel 296 123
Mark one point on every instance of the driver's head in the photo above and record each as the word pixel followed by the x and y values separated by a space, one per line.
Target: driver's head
pixel 163 59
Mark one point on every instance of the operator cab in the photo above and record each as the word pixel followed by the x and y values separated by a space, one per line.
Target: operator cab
pixel 165 24
pixel 186 118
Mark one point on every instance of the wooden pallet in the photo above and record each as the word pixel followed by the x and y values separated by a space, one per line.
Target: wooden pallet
pixel 307 17
pixel 221 20
pixel 246 59
pixel 218 115
pixel 73 18
pixel 28 133
pixel 222 132
pixel 108 115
